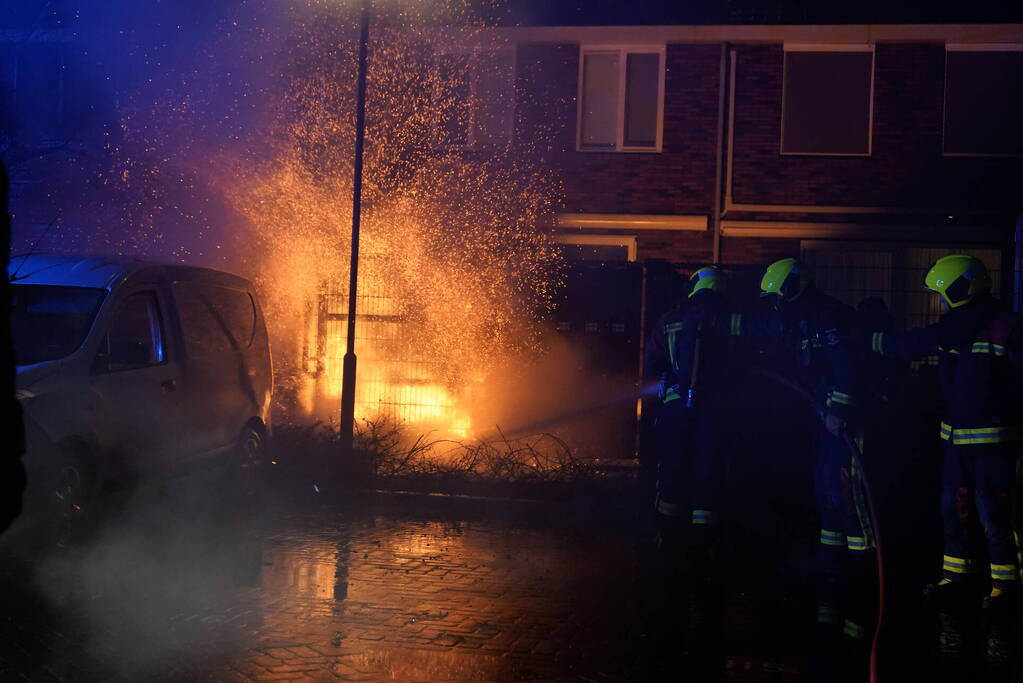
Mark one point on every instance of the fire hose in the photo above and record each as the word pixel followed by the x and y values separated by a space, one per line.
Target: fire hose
pixel 857 461
pixel 846 440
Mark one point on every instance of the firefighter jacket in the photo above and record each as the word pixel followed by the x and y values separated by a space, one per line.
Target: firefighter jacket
pixel 689 349
pixel 822 346
pixel 980 353
pixel 816 338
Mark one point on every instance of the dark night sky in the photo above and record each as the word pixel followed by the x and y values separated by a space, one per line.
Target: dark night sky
pixel 23 13
pixel 651 12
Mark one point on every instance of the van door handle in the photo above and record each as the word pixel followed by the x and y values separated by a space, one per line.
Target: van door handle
pixel 168 385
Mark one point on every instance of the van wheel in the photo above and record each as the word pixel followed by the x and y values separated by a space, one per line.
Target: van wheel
pixel 248 462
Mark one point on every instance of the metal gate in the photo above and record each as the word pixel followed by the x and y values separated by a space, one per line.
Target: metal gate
pixel 398 381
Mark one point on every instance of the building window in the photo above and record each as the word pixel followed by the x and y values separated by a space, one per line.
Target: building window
pixel 474 97
pixel 827 100
pixel 983 100
pixel 621 99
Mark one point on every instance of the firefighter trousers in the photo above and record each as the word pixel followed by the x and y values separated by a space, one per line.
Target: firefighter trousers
pixel 845 536
pixel 846 550
pixel 979 487
pixel 689 465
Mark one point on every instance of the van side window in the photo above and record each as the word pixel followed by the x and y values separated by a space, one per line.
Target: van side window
pixel 135 336
pixel 214 319
pixel 238 311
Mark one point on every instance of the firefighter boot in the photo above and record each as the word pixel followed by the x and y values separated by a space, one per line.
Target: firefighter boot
pixel 860 598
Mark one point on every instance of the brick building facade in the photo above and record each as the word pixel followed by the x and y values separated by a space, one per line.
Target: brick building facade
pixel 719 185
pixel 714 183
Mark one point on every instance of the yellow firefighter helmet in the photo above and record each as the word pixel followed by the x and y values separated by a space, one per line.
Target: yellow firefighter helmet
pixel 708 277
pixel 787 278
pixel 958 278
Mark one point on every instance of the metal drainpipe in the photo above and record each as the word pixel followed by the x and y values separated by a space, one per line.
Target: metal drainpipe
pixel 1017 273
pixel 715 214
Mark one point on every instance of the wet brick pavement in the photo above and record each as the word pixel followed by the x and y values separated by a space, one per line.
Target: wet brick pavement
pixel 392 588
pixel 323 593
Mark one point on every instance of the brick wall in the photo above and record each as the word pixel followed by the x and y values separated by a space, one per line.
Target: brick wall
pixel 906 168
pixel 757 250
pixel 679 180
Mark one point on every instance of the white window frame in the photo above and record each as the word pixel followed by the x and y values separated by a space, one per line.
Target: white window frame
pixel 831 47
pixel 622 51
pixel 971 47
pixel 473 54
pixel 627 241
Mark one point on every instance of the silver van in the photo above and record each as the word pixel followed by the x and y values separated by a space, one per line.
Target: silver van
pixel 126 367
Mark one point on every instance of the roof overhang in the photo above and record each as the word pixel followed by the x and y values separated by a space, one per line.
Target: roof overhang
pixel 983 234
pixel 818 34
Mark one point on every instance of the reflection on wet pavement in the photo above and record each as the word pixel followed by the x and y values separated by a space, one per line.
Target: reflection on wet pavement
pixel 327 595
pixel 409 600
pixel 183 591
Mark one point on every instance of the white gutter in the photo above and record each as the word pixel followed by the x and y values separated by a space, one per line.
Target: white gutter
pixel 861 231
pixel 747 34
pixel 630 221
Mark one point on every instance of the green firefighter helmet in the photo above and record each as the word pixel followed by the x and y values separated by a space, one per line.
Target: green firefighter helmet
pixel 958 278
pixel 787 278
pixel 708 277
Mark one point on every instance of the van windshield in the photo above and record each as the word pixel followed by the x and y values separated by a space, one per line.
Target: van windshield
pixel 49 322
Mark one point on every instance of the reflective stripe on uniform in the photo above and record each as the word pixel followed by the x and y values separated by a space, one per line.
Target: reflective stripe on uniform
pixel 703 517
pixel 989 435
pixel 736 325
pixel 942 349
pixel 1004 572
pixel 852 629
pixel 1015 534
pixel 958 565
pixel 671 394
pixel 877 342
pixel 826 613
pixel 836 538
pixel 988 347
pixel 670 331
pixel 978 435
pixel 842 398
pixel 857 542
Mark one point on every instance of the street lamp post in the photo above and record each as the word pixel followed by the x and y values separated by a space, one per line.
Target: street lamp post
pixel 348 376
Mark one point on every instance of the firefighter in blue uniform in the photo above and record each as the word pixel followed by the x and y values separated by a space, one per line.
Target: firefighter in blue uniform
pixel 979 346
pixel 828 361
pixel 689 351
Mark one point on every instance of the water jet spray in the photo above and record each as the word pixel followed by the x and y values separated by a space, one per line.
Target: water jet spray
pixel 596 406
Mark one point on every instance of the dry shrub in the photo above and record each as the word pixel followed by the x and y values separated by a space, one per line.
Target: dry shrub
pixel 384 453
